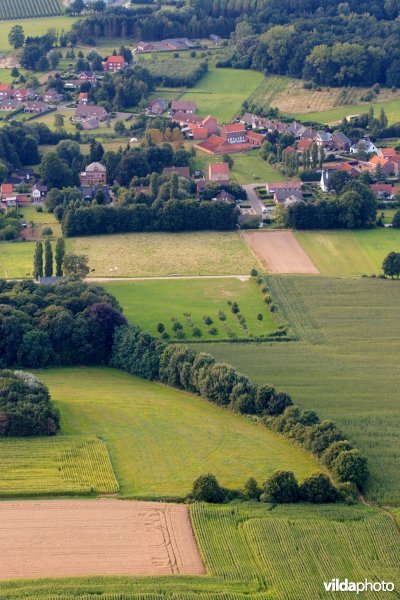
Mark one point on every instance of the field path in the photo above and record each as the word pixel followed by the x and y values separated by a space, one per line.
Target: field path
pixel 280 252
pixel 67 538
pixel 110 279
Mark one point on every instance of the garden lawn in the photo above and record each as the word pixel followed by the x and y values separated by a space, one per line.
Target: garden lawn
pixel 198 298
pixel 349 252
pixel 32 27
pixel 248 167
pixel 335 115
pixel 161 439
pixel 221 92
pixel 345 366
pixel 165 254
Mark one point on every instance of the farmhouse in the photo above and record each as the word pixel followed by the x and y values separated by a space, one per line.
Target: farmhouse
pixel 39 192
pixel 114 63
pixel 89 76
pixel 286 186
pixel 94 174
pixel 203 129
pixel 36 106
pixel 84 112
pixel 233 138
pixel 218 172
pixel 157 106
pixel 179 106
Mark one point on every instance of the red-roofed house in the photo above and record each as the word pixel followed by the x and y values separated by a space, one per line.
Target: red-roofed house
pixel 114 63
pixel 178 106
pixel 203 129
pixel 6 190
pixel 386 152
pixel 233 138
pixel 304 145
pixel 234 133
pixel 83 98
pixel 383 190
pixel 218 172
pixel 350 169
pixel 389 167
pixel 5 90
pixel 181 171
pixel 21 95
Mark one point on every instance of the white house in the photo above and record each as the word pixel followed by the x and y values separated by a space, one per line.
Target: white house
pixel 365 146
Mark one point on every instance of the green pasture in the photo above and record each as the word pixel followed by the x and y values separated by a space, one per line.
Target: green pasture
pixel 345 366
pixel 55 466
pixel 269 88
pixel 160 439
pixel 220 92
pixel 349 252
pixel 255 552
pixel 16 259
pixel 33 27
pixel 189 301
pixel 248 167
pixel 165 254
pixel 335 115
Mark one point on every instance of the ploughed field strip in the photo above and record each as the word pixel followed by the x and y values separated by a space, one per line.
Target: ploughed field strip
pixel 280 252
pixel 56 538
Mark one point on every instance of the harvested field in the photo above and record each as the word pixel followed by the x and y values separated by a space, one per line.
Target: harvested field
pixel 280 252
pixel 96 537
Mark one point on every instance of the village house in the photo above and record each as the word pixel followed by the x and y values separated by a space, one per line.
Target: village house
pixel 24 174
pixel 157 106
pixel 90 124
pixel 216 39
pixel 94 174
pixel 23 94
pixel 84 112
pixel 6 191
pixel 83 98
pixel 89 192
pixel 5 90
pixel 288 196
pixel 364 145
pixel 114 63
pixel 202 129
pixel 51 96
pixel 181 171
pixel 308 134
pixel 89 76
pixel 9 104
pixel 180 106
pixel 218 172
pixel 384 191
pixel 36 106
pixel 304 145
pixel 224 196
pixel 340 142
pixel 386 152
pixel 324 139
pixel 351 170
pixel 286 186
pixel 255 121
pixel 145 47
pixel 39 193
pixel 296 129
pixel 177 44
pixel 388 167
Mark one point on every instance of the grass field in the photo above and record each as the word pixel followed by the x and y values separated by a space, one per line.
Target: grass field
pixel 255 553
pixel 335 115
pixel 34 26
pixel 349 252
pixel 199 298
pixel 161 439
pixel 16 259
pixel 55 466
pixel 247 168
pixel 220 92
pixel 164 254
pixel 345 368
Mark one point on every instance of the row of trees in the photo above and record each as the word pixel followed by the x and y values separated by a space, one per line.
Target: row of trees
pixel 177 72
pixel 43 261
pixel 174 215
pixel 25 406
pixel 69 323
pixel 138 353
pixel 10 225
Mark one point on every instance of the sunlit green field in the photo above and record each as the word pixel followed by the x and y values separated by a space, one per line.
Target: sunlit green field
pixel 248 167
pixel 220 92
pixel 34 26
pixel 334 115
pixel 345 366
pixel 349 252
pixel 190 301
pixel 160 439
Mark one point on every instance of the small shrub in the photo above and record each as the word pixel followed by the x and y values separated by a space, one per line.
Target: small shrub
pixel 235 308
pixel 259 317
pixel 221 315
pixel 180 334
pixel 208 320
pixel 254 272
pixel 251 490
pixel 213 331
pixel 47 231
pixel 165 335
pixel 177 326
pixel 196 332
pixel 160 327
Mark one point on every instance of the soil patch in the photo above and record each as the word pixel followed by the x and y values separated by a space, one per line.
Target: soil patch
pixel 280 252
pixel 66 538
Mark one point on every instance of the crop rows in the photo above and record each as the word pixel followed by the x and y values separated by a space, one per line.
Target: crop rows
pixel 69 465
pixel 24 9
pixel 295 309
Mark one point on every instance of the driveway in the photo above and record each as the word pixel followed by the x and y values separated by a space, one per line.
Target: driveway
pixel 256 204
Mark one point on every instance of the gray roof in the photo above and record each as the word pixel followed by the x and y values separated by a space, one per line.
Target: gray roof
pixel 49 280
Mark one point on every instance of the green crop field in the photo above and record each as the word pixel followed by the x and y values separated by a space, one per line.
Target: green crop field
pixel 220 92
pixel 160 439
pixel 345 366
pixel 248 167
pixel 33 26
pixel 55 466
pixel 165 254
pixel 349 252
pixel 189 301
pixel 26 9
pixel 335 115
pixel 254 552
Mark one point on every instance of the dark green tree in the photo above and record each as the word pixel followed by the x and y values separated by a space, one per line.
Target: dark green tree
pixel 60 252
pixel 281 487
pixel 207 489
pixel 16 37
pixel 38 261
pixel 391 265
pixel 351 466
pixel 48 259
pixel 76 265
pixel 318 489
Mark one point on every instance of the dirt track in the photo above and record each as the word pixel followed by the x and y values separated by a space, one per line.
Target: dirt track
pixel 279 252
pixel 55 538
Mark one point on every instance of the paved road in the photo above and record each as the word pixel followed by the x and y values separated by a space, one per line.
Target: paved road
pixel 253 198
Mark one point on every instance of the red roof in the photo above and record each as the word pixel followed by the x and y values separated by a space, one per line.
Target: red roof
pixel 388 152
pixel 233 127
pixel 6 188
pixel 304 144
pixel 116 59
pixel 4 87
pixel 219 169
pixel 82 96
